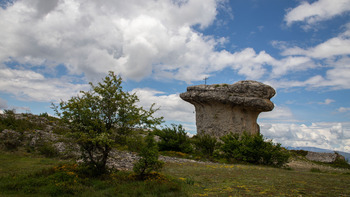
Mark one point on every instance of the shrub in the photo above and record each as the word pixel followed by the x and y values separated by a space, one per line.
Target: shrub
pixel 205 144
pixel 135 143
pixel 253 149
pixel 9 121
pixel 340 162
pixel 11 140
pixel 174 139
pixel 299 152
pixel 148 161
pixel 47 149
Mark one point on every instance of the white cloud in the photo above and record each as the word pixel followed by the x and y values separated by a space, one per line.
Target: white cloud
pixel 332 54
pixel 32 86
pixel 333 135
pixel 333 47
pixel 172 107
pixel 338 46
pixel 317 11
pixel 337 77
pixel 279 113
pixel 134 38
pixel 250 64
pixel 327 102
pixel 343 109
pixel 291 64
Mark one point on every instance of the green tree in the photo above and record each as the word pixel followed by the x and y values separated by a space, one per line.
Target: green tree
pixel 231 147
pixel 174 139
pixel 205 144
pixel 253 149
pixel 148 161
pixel 97 116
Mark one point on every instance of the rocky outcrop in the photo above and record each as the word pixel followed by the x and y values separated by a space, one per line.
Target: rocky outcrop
pixel 224 108
pixel 323 157
pixel 10 139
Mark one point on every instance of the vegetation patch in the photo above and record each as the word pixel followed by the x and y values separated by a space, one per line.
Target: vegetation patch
pixel 174 138
pixel 253 149
pixel 45 178
pixel 253 180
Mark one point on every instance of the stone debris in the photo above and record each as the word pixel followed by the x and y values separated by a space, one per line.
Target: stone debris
pixel 224 108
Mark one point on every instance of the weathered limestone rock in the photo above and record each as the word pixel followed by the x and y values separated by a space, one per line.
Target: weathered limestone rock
pixel 323 157
pixel 223 108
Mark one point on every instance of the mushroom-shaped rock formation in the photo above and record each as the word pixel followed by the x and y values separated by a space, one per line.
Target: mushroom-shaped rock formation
pixel 224 108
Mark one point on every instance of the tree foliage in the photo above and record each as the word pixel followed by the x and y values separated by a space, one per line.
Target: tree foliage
pixel 98 116
pixel 205 144
pixel 174 139
pixel 148 161
pixel 253 149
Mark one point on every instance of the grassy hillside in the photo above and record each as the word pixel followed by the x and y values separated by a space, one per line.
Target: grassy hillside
pixel 31 165
pixel 23 174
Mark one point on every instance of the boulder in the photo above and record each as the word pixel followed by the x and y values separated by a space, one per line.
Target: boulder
pixel 323 157
pixel 223 108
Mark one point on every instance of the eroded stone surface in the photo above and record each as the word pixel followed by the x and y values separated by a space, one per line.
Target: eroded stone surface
pixel 323 157
pixel 224 108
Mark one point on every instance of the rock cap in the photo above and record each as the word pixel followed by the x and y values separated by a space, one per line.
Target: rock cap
pixel 249 94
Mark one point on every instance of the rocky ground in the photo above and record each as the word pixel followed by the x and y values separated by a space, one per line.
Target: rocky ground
pixel 124 160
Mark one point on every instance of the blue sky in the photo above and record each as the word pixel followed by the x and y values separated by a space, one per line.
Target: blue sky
pixel 49 50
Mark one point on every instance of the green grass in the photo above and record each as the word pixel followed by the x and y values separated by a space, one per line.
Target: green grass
pixel 23 163
pixel 27 175
pixel 23 174
pixel 250 180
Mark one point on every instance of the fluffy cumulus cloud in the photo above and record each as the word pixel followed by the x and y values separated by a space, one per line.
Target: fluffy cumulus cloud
pixel 134 38
pixel 328 135
pixel 279 113
pixel 32 86
pixel 336 46
pixel 317 11
pixel 334 78
pixel 332 54
pixel 171 106
pixel 139 39
pixel 281 126
pixel 131 37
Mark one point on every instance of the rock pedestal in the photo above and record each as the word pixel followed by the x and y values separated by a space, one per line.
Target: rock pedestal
pixel 224 108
